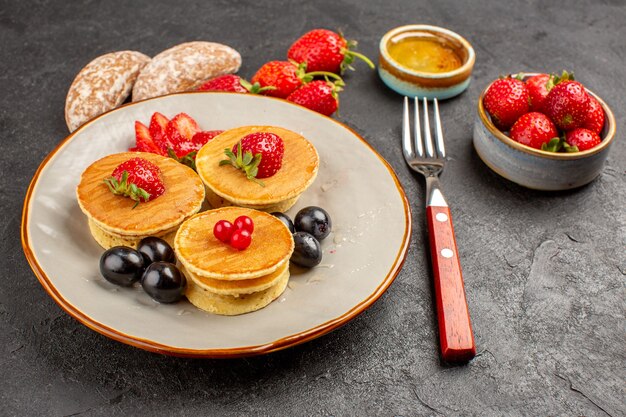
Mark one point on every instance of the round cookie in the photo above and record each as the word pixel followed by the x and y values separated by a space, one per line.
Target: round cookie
pixel 184 67
pixel 102 85
pixel 115 219
pixel 227 185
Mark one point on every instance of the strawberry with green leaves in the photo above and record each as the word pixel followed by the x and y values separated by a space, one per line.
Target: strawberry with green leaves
pixel 189 148
pixel 582 138
pixel 258 155
pixel 533 129
pixel 567 104
pixel 137 179
pixel 325 50
pixel 506 100
pixel 285 77
pixel 321 96
pixel 540 85
pixel 232 83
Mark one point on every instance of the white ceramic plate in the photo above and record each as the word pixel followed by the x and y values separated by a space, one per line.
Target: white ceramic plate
pixel 362 256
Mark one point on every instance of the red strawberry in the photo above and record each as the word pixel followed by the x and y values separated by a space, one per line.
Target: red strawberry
pixel 325 50
pixel 158 126
pixel 232 83
pixel 228 82
pixel 595 116
pixel 285 77
pixel 138 179
pixel 201 138
pixel 143 140
pixel 258 155
pixel 582 138
pixel 567 105
pixel 533 129
pixel 320 96
pixel 185 150
pixel 506 100
pixel 540 85
pixel 537 88
pixel 180 131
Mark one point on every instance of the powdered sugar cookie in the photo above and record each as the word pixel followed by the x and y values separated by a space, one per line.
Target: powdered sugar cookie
pixel 102 85
pixel 184 67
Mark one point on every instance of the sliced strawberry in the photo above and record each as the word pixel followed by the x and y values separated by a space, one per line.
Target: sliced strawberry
pixel 158 126
pixel 143 139
pixel 200 138
pixel 180 131
pixel 181 127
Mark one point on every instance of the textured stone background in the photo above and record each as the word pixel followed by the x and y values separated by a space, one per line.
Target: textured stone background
pixel 545 272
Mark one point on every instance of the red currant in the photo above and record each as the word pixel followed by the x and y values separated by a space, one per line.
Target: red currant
pixel 245 223
pixel 223 230
pixel 240 239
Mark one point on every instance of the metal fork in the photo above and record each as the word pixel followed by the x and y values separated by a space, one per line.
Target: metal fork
pixel 428 158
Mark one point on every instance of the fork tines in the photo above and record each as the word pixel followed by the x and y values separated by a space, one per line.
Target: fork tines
pixel 417 146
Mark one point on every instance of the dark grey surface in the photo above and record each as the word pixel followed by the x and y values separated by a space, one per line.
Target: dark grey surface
pixel 545 272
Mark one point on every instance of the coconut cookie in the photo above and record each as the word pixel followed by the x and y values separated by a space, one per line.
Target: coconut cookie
pixel 184 67
pixel 102 85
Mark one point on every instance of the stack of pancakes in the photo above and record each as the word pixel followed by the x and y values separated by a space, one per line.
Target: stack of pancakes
pixel 224 280
pixel 114 220
pixel 228 186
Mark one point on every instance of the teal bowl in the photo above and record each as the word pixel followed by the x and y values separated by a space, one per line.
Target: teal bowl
pixel 534 168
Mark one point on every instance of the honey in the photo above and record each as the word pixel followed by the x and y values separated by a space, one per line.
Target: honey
pixel 423 52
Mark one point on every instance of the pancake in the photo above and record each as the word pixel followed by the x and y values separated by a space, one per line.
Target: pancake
pixel 216 201
pixel 238 287
pixel 114 214
pixel 230 306
pixel 203 255
pixel 108 240
pixel 227 185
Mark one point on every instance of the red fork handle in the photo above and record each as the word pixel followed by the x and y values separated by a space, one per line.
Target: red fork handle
pixel 455 329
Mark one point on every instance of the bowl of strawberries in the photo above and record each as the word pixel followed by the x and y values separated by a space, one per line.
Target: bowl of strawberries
pixel 543 131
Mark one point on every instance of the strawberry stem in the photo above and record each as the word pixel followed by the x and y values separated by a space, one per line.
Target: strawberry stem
pixel 245 162
pixel 256 87
pixel 310 75
pixel 126 189
pixel 555 79
pixel 362 57
pixel 187 160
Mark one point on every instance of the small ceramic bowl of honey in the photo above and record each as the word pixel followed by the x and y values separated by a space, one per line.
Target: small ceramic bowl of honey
pixel 425 61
